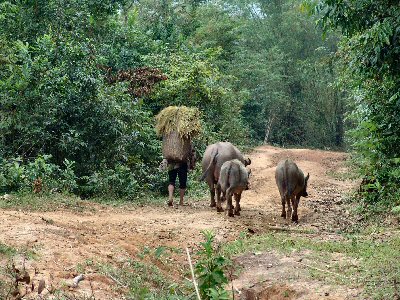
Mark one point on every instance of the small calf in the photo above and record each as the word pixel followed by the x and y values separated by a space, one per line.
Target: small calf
pixel 233 180
pixel 292 185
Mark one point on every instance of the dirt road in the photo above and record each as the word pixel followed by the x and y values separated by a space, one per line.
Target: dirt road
pixel 66 238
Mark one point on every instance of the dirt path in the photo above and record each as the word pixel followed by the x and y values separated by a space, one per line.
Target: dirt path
pixel 64 239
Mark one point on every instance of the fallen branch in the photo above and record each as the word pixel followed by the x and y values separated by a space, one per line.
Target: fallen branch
pixel 191 269
pixel 117 281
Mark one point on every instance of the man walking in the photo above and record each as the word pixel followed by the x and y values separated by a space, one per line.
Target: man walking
pixel 180 170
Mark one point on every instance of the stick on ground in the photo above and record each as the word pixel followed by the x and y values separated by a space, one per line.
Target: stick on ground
pixel 193 278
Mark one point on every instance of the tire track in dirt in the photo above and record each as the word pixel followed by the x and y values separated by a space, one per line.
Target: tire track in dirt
pixel 65 238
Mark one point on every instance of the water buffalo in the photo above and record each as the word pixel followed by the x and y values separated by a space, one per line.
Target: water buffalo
pixel 292 185
pixel 233 180
pixel 213 159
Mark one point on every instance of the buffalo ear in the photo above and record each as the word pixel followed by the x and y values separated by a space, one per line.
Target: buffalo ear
pixel 307 177
pixel 248 173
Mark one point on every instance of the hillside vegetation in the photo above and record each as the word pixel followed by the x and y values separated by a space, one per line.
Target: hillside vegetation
pixel 81 82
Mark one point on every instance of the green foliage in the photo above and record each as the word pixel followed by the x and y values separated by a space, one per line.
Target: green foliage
pixel 396 210
pixel 146 280
pixel 168 21
pixel 15 175
pixel 66 85
pixel 56 104
pixel 7 250
pixel 26 201
pixel 284 69
pixel 122 182
pixel 370 72
pixel 194 80
pixel 210 270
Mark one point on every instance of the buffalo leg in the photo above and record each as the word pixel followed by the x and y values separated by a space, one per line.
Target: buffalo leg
pixel 237 205
pixel 223 197
pixel 212 192
pixel 219 205
pixel 239 208
pixel 295 201
pixel 229 205
pixel 283 215
pixel 289 207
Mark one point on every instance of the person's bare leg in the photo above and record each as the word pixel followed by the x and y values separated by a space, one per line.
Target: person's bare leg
pixel 171 195
pixel 182 195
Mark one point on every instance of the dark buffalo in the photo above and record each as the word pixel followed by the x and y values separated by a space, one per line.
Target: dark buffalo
pixel 292 185
pixel 214 157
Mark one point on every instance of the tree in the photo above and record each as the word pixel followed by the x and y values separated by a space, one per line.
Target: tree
pixel 370 72
pixel 285 65
pixel 55 100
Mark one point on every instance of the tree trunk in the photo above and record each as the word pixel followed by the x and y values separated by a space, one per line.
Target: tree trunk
pixel 339 126
pixel 268 127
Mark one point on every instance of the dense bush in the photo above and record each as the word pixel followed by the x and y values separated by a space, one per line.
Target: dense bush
pixel 370 73
pixel 57 106
pixel 17 176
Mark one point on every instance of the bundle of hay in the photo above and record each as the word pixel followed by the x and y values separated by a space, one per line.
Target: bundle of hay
pixel 177 125
pixel 184 120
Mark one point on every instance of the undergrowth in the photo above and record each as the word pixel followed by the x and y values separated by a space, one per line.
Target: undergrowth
pixel 52 200
pixel 210 270
pixel 42 202
pixel 370 261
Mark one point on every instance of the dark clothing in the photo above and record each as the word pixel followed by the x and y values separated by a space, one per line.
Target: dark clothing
pixel 180 170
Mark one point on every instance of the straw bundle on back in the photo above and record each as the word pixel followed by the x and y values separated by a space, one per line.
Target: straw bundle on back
pixel 177 124
pixel 182 119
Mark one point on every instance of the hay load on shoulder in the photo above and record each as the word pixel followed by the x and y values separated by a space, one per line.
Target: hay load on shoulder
pixel 177 125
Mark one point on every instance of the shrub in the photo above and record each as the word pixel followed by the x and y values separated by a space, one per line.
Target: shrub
pixel 17 175
pixel 210 270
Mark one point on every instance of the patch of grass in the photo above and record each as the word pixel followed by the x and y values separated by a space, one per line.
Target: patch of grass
pixel 342 176
pixel 42 202
pixel 349 173
pixel 286 294
pixel 144 280
pixel 368 261
pixel 145 200
pixel 61 295
pixel 7 251
pixel 152 274
pixel 82 267
pixel 30 254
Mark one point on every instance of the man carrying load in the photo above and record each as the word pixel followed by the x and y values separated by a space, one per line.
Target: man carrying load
pixel 180 170
pixel 178 125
